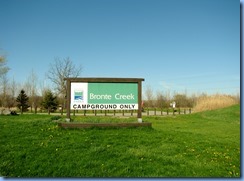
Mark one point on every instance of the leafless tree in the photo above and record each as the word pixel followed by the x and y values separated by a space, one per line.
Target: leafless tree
pixel 13 89
pixel 161 100
pixel 60 69
pixel 149 97
pixel 31 90
pixel 4 92
pixel 3 68
pixel 182 100
pixel 3 81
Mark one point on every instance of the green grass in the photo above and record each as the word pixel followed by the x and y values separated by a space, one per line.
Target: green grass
pixel 204 144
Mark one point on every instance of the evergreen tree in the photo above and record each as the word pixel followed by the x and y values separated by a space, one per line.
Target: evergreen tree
pixel 50 101
pixel 22 101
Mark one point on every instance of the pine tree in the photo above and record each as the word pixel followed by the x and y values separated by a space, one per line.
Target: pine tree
pixel 50 101
pixel 22 101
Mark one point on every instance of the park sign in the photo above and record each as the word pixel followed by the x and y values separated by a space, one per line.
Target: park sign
pixel 103 94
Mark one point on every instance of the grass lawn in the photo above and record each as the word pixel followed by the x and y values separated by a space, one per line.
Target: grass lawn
pixel 205 144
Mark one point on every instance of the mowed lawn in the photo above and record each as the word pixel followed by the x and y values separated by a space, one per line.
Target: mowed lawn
pixel 205 144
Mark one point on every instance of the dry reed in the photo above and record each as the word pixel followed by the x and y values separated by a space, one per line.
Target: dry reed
pixel 216 101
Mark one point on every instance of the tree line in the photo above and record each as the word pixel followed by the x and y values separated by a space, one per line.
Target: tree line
pixel 43 98
pixel 165 99
pixel 49 102
pixel 31 96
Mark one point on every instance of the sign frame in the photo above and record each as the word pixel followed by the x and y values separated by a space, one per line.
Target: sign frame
pixel 104 80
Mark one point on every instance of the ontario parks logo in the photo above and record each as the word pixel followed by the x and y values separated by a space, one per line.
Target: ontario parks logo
pixel 78 95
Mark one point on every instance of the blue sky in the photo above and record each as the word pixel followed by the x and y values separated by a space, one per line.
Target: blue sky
pixel 179 46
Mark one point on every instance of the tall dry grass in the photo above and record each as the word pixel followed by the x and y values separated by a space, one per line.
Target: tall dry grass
pixel 216 101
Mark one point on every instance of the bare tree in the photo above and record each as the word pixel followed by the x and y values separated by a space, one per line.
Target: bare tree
pixel 4 90
pixel 182 100
pixel 60 69
pixel 149 97
pixel 3 81
pixel 161 100
pixel 3 68
pixel 13 88
pixel 31 90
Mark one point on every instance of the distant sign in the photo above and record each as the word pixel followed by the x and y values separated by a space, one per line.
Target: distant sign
pixel 173 104
pixel 104 96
